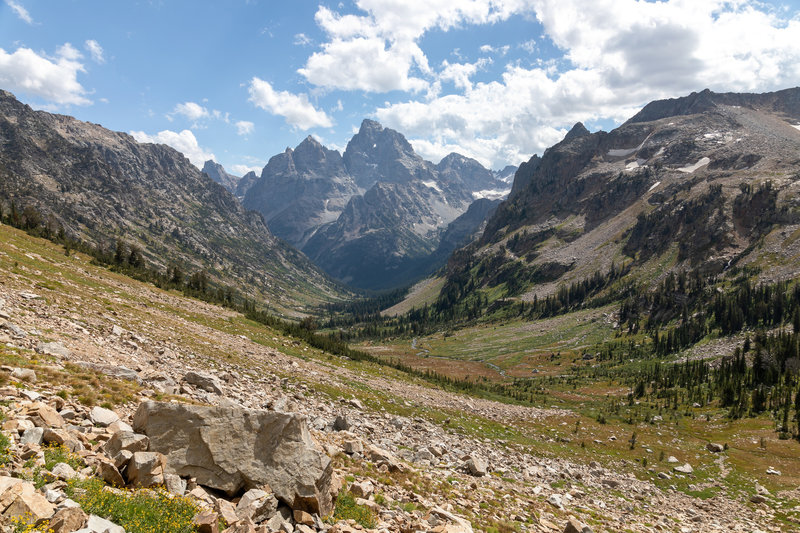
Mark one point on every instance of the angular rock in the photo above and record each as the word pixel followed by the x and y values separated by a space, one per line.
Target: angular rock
pixel 122 442
pixel 17 425
pixel 685 468
pixel 353 446
pixel 54 348
pixel 243 526
pixel 206 522
pixel 103 417
pixel 457 524
pixel 363 489
pixel 146 469
pixel 115 371
pixel 107 471
pixel 32 436
pixel 63 471
pixel 44 416
pixel 95 524
pixel 119 425
pixel 280 521
pixel 175 484
pixel 24 374
pixel 67 520
pixel 341 423
pixel 204 381
pixel 303 518
pixel 226 510
pixel 573 526
pixel 256 505
pixel 160 382
pixel 29 506
pixel 62 438
pixel 556 501
pixel 476 466
pixel 231 449
pixel 382 457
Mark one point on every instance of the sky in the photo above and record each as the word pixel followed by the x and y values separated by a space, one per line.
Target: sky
pixel 497 80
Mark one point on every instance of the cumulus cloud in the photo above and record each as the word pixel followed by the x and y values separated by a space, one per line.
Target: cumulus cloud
pixel 618 55
pixel 54 79
pixel 191 110
pixel 95 50
pixel 245 127
pixel 184 142
pixel 294 108
pixel 379 51
pixel 460 73
pixel 20 11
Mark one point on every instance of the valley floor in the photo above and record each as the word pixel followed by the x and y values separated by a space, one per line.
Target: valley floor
pixel 543 466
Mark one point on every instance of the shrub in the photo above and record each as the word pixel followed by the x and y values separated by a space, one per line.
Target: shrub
pixel 137 511
pixel 347 509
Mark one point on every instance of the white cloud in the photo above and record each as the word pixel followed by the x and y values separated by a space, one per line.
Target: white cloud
pixel 295 108
pixel 618 55
pixel 489 49
pixel 301 39
pixel 241 170
pixel 191 110
pixel 379 51
pixel 245 127
pixel 460 73
pixel 54 79
pixel 96 51
pixel 184 142
pixel 21 12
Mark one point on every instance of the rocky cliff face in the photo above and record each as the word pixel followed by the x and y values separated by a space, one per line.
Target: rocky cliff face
pixel 217 172
pixel 245 183
pixel 682 176
pixel 379 200
pixel 103 185
pixel 378 154
pixel 300 190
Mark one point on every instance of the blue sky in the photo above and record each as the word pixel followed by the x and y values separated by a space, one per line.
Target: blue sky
pixel 498 80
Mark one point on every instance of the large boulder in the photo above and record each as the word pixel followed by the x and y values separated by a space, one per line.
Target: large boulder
pixel 233 449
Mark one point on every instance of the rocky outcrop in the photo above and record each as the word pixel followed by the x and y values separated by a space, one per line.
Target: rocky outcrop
pixel 234 449
pixel 217 172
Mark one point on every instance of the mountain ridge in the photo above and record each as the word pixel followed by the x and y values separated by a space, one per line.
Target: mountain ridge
pixel 102 186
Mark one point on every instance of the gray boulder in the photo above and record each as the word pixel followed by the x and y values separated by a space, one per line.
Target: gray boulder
pixel 233 449
pixel 204 381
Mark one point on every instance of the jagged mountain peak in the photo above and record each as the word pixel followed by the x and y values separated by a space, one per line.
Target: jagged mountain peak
pixel 370 126
pixel 578 130
pixel 217 172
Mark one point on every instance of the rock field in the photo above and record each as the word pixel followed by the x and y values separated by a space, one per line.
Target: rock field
pixel 258 442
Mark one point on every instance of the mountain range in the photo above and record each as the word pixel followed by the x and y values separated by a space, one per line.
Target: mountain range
pixel 706 182
pixel 373 216
pixel 101 186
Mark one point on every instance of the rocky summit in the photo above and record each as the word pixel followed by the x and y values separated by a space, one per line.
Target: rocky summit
pixel 373 216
